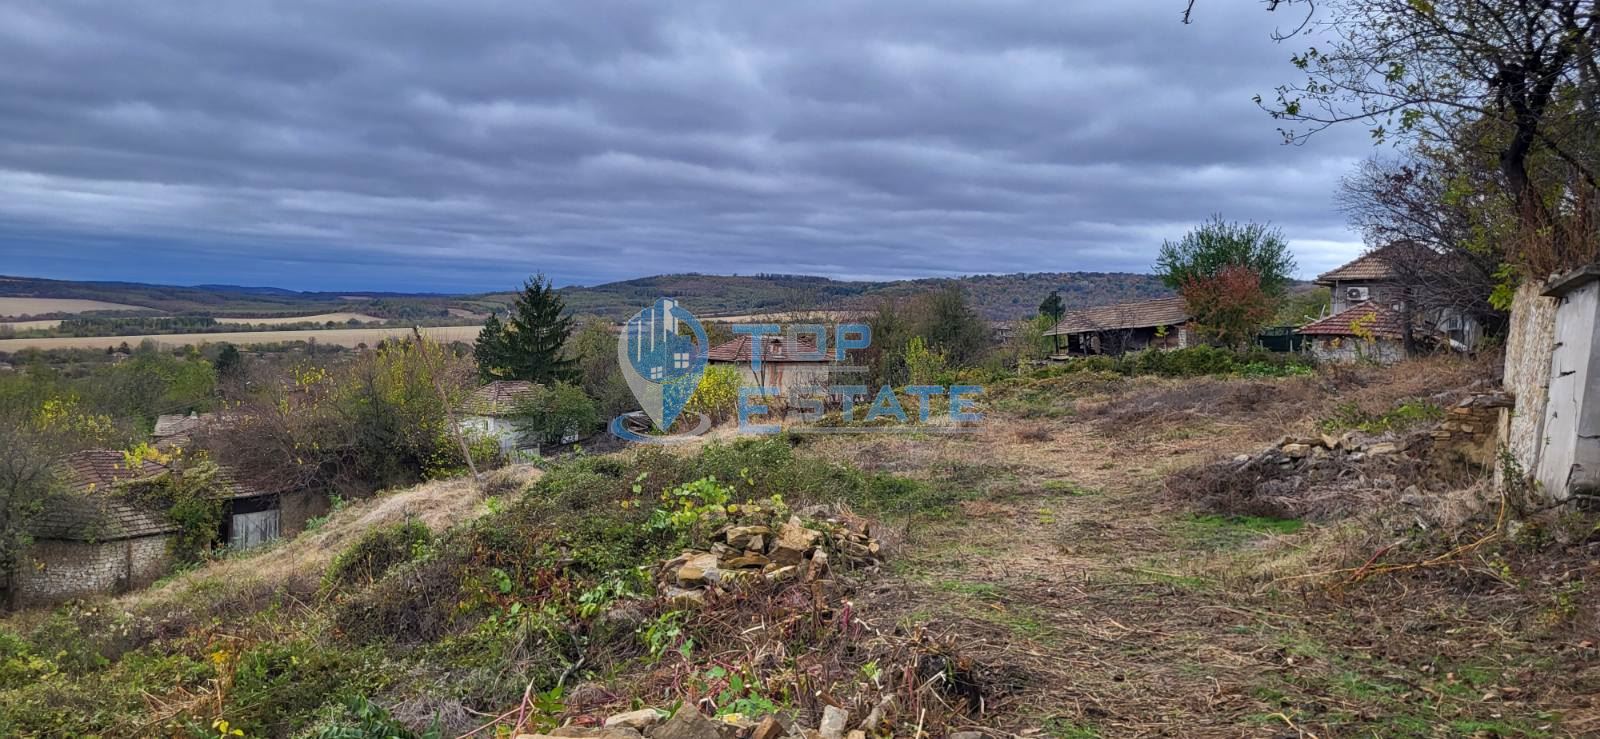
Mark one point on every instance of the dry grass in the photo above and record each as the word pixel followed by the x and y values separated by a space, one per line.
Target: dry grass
pixel 318 318
pixel 296 564
pixel 37 306
pixel 337 336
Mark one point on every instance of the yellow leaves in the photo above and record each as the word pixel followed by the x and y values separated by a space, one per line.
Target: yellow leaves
pixel 135 458
pixel 224 729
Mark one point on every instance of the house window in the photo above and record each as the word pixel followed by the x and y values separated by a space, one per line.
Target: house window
pixel 680 360
pixel 655 373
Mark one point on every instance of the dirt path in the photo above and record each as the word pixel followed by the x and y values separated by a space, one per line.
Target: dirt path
pixel 1117 612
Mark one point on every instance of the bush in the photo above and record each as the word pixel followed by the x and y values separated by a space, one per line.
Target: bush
pixel 1194 361
pixel 378 550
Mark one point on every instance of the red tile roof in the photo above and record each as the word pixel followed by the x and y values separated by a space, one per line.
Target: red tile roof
pixel 1143 314
pixel 1381 321
pixel 773 349
pixel 96 509
pixel 1375 266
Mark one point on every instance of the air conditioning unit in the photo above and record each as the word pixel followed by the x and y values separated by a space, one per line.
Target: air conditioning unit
pixel 1357 294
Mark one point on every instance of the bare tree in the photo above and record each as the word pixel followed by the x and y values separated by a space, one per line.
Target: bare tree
pixel 1514 80
pixel 1442 246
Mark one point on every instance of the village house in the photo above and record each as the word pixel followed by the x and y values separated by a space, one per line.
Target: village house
pixel 790 365
pixel 1372 279
pixel 489 412
pixel 99 538
pixel 1116 329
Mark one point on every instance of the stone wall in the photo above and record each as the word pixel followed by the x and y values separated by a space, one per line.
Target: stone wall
pixel 1472 428
pixel 1527 373
pixel 56 571
pixel 1351 349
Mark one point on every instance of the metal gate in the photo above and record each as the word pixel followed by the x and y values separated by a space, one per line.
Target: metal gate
pixel 253 529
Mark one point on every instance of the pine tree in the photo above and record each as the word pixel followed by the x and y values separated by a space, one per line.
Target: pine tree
pixel 490 350
pixel 528 345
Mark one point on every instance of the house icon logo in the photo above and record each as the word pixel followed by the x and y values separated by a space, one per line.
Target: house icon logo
pixel 662 351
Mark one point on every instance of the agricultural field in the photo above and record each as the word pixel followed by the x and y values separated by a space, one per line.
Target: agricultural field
pixel 30 325
pixel 318 318
pixel 337 336
pixel 41 306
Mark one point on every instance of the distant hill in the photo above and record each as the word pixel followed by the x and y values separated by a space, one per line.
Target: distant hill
pixel 997 297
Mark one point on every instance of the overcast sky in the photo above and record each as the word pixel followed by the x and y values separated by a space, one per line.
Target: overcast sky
pixel 457 145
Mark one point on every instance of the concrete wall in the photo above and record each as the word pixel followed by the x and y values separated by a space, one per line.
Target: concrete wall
pixel 1569 461
pixel 1351 349
pixel 63 570
pixel 299 508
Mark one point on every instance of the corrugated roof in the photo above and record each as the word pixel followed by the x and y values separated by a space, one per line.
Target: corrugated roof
pixel 773 349
pixel 497 398
pixel 174 424
pixel 1143 314
pixel 1372 316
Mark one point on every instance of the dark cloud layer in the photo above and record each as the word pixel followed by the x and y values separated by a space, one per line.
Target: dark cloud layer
pixel 456 144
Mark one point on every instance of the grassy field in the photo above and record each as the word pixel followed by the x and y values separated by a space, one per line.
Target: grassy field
pixel 336 336
pixel 37 306
pixel 318 318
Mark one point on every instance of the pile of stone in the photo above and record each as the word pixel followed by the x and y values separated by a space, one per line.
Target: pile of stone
pixel 689 723
pixel 1351 446
pixel 748 553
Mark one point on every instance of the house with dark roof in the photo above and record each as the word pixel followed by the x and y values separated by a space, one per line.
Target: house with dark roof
pixel 1373 278
pixel 789 364
pixel 99 537
pixel 488 413
pixel 1115 329
pixel 94 538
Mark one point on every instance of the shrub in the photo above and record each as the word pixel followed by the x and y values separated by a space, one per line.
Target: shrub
pixel 717 395
pixel 378 550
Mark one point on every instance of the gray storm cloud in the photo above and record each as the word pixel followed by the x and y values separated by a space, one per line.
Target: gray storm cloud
pixel 455 144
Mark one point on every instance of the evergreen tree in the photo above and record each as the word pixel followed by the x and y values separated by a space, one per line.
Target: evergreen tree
pixel 528 345
pixel 490 351
pixel 1054 309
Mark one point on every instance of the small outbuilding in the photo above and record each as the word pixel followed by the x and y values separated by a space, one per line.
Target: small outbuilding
pixel 1116 329
pixel 1366 331
pixel 489 412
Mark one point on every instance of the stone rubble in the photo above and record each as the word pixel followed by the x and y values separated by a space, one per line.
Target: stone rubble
pixel 689 723
pixel 745 553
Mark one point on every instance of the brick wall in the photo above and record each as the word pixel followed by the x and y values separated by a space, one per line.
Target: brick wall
pixel 62 570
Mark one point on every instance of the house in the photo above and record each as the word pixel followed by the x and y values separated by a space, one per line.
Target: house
pixel 790 365
pixel 1365 331
pixel 488 413
pixel 100 538
pixel 96 539
pixel 1115 329
pixel 1373 277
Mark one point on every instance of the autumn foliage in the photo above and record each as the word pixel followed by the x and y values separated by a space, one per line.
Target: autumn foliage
pixel 1229 307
